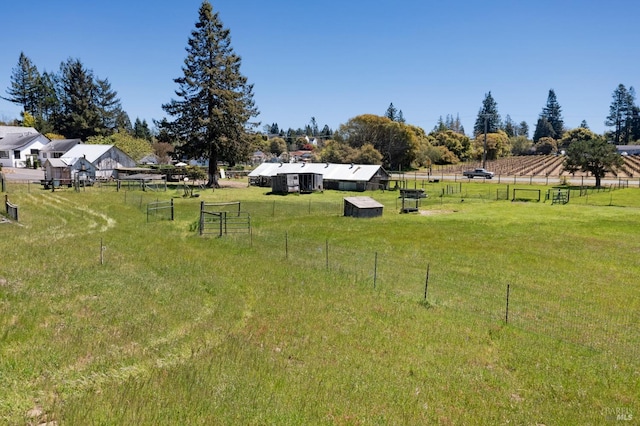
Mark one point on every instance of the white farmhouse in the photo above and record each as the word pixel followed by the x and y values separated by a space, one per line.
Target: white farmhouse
pixel 21 149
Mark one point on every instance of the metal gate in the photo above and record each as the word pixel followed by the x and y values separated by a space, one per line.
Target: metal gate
pixel 222 222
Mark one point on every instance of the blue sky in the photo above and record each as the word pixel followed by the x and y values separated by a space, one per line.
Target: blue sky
pixel 336 59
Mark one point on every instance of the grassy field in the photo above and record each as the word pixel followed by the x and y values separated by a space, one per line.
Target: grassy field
pixel 314 318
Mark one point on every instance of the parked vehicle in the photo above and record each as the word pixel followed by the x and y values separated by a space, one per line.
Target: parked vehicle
pixel 483 173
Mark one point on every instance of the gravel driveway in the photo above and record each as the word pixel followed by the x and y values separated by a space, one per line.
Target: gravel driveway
pixel 22 174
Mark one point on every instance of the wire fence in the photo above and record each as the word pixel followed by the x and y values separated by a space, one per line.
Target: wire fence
pixel 571 320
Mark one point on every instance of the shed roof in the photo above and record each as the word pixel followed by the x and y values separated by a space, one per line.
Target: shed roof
pixel 363 202
pixel 57 162
pixel 329 171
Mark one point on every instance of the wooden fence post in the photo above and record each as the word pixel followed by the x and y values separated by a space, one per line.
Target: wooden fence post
pixel 506 315
pixel 375 270
pixel 426 282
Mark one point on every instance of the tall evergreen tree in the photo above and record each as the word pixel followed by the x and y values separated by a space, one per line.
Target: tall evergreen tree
pixel 123 122
pixel 523 129
pixel 634 131
pixel 326 131
pixel 488 112
pixel 391 113
pixel 314 126
pixel 621 114
pixel 109 107
pixel 79 115
pixel 215 101
pixel 24 85
pixel 544 129
pixel 141 130
pixel 441 126
pixel 49 104
pixel 510 128
pixel 553 113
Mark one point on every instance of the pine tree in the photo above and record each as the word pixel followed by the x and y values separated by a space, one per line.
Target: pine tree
pixel 79 115
pixel 215 101
pixel 109 108
pixel 488 112
pixel 510 127
pixel 326 132
pixel 391 113
pixel 441 126
pixel 621 113
pixel 544 129
pixel 141 130
pixel 48 102
pixel 634 131
pixel 24 85
pixel 553 114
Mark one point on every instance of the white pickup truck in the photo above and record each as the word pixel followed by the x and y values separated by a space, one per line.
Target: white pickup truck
pixel 483 173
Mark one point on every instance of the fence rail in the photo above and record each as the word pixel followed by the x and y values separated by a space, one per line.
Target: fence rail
pixel 157 208
pixel 223 222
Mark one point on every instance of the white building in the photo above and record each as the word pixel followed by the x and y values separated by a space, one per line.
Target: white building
pixel 21 149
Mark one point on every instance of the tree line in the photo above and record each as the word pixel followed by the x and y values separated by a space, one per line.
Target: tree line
pixel 211 117
pixel 74 103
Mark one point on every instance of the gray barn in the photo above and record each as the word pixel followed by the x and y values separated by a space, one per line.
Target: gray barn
pixel 362 207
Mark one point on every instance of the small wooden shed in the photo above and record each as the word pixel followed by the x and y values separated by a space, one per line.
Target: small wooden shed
pixel 58 171
pixel 362 207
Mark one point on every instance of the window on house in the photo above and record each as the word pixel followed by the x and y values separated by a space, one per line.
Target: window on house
pixel 4 154
pixel 16 153
pixel 35 151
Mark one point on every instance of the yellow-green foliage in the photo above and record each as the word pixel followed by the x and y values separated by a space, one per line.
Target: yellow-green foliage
pixel 135 148
pixel 497 145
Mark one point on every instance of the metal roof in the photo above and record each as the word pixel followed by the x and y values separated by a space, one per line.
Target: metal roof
pixel 329 171
pixel 363 202
pixel 16 141
pixel 60 145
pixel 89 151
pixel 57 162
pixel 16 130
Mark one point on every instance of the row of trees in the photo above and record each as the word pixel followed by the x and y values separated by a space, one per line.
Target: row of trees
pixel 211 115
pixel 73 102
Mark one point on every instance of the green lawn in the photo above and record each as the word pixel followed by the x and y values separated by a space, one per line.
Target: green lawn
pixel 315 318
